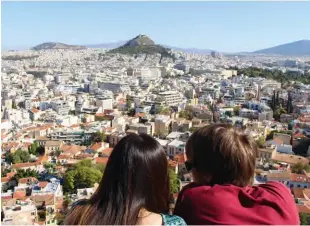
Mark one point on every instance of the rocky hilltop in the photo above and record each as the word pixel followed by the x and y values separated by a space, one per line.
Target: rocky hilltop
pixel 142 44
pixel 57 45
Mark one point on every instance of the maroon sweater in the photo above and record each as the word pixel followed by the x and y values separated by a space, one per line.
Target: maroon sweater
pixel 270 203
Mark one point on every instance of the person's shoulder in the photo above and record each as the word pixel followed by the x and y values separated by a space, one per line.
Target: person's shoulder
pixel 277 189
pixel 81 202
pixel 172 220
pixel 193 189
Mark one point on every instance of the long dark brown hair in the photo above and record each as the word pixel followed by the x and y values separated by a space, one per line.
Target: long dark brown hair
pixel 135 177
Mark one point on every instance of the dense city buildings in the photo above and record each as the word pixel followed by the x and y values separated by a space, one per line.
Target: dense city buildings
pixel 63 111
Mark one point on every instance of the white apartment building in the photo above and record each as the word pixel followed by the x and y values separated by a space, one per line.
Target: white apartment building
pixel 175 147
pixel 162 123
pixel 246 113
pixel 115 87
pixel 61 107
pixel 104 103
pixel 171 97
pixel 21 213
pixel 267 115
pixel 142 128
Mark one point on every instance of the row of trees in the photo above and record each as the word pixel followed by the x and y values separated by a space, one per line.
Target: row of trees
pixel 277 75
pixel 20 156
pixel 85 174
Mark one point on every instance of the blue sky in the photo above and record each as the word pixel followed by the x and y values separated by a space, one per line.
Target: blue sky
pixel 223 26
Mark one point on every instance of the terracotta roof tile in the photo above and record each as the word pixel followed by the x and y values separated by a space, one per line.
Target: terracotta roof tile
pixel 19 194
pixel 299 178
pixel 28 179
pixel 306 193
pixel 303 209
pixel 24 165
pixel 34 110
pixel 100 160
pixel 5 179
pixel 298 193
pixel 107 151
pixel 43 184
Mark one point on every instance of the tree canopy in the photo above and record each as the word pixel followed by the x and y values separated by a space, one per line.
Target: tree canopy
pixel 174 182
pixel 277 75
pixel 299 168
pixel 18 156
pixel 82 175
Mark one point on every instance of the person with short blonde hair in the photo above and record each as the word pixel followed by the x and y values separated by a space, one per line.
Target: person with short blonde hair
pixel 222 161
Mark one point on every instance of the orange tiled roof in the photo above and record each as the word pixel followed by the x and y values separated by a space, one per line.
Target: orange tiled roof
pixel 299 136
pixel 41 159
pixel 298 193
pixel 63 156
pixel 72 149
pixel 34 110
pixel 107 151
pixel 43 184
pixel 100 160
pixel 299 178
pixel 96 146
pixel 27 179
pixel 11 174
pixel 5 179
pixel 179 158
pixel 19 194
pixel 306 193
pixel 23 165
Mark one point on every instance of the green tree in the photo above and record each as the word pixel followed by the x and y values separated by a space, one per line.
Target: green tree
pixel 86 177
pixel 174 182
pixel 299 168
pixel 100 167
pixel 261 142
pixel 228 113
pixel 100 137
pixel 303 217
pixel 18 156
pixel 35 149
pixel 50 167
pixel 187 113
pixel 236 110
pixel 26 173
pixel 5 171
pixel 82 175
pixel 69 181
pixel 14 106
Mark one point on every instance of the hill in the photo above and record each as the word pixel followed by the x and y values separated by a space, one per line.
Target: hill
pixel 293 49
pixel 57 45
pixel 142 44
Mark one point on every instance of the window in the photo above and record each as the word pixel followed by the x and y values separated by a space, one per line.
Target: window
pixel 291 185
pixel 298 185
pixel 305 186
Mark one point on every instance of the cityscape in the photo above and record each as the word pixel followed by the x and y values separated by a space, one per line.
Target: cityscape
pixel 65 106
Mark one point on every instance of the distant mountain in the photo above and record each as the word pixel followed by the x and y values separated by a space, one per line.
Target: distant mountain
pixel 142 44
pixel 294 49
pixel 57 45
pixel 113 45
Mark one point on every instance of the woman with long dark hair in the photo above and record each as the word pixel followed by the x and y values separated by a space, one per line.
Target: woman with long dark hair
pixel 134 189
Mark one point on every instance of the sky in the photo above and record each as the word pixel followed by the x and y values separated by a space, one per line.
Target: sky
pixel 222 26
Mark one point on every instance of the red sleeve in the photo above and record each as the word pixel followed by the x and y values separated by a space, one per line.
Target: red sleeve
pixel 279 190
pixel 183 204
pixel 284 195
